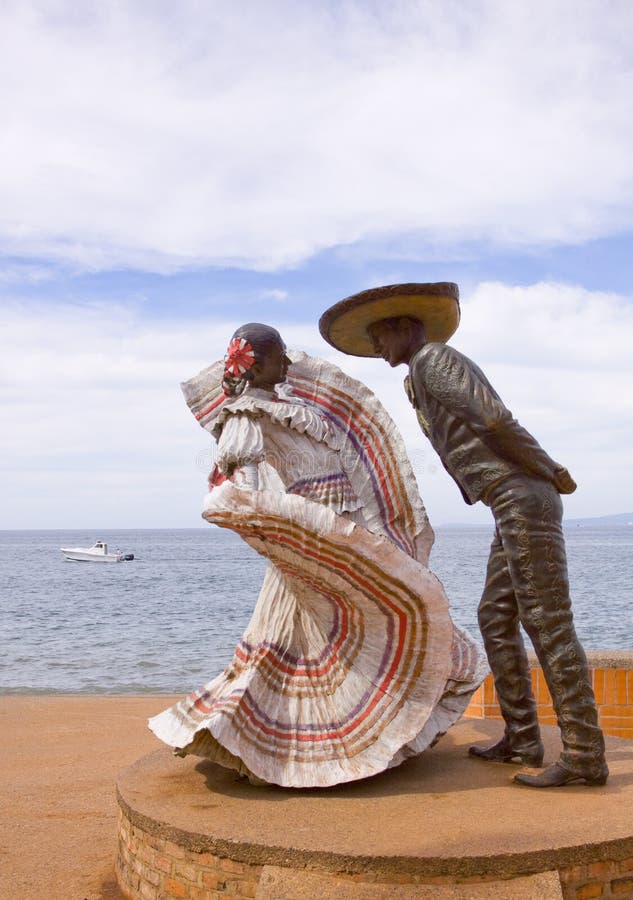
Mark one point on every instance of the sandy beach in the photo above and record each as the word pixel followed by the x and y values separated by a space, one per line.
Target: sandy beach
pixel 60 758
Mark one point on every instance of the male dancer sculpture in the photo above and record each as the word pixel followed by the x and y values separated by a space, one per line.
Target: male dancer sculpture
pixel 492 459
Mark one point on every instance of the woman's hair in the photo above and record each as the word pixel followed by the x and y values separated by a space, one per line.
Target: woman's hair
pixel 249 344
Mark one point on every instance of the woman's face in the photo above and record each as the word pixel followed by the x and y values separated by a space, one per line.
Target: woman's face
pixel 271 369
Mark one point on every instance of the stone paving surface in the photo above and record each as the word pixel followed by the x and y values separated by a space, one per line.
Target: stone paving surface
pixel 58 811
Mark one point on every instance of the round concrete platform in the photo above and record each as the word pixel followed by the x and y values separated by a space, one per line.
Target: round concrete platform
pixel 438 819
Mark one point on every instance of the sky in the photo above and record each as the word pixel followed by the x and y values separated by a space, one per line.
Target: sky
pixel 171 171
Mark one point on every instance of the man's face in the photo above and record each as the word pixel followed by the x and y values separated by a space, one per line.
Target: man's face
pixel 272 369
pixel 392 339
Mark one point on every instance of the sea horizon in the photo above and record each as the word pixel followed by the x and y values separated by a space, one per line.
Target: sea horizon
pixel 608 520
pixel 168 621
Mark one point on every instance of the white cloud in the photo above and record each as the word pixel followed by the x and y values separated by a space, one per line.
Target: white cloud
pixel 160 136
pixel 274 294
pixel 559 356
pixel 93 426
pixel 549 323
pixel 19 273
pixel 94 431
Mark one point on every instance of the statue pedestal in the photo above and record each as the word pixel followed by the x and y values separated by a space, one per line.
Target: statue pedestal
pixel 441 825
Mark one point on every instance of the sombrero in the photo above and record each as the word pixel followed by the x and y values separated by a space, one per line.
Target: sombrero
pixel 345 325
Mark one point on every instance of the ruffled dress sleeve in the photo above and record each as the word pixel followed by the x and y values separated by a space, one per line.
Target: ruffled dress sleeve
pixel 240 444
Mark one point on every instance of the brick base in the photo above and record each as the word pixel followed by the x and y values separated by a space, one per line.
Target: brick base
pixel 189 830
pixel 155 868
pixel 607 879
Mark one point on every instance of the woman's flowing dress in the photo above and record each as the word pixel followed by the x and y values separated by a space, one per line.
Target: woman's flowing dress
pixel 351 662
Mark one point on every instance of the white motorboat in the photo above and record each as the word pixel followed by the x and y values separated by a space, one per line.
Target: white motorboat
pixel 97 553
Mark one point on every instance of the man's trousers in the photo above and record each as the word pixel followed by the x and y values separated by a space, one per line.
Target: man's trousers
pixel 527 584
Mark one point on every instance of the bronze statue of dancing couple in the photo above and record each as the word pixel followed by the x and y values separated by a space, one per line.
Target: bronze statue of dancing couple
pixel 351 662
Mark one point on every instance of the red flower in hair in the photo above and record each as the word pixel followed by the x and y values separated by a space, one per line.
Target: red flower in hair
pixel 240 356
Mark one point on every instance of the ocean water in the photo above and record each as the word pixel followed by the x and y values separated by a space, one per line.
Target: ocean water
pixel 169 620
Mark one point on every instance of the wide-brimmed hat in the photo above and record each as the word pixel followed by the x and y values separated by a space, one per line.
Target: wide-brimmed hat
pixel 345 325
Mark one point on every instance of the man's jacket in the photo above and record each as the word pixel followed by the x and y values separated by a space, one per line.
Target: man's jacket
pixel 474 434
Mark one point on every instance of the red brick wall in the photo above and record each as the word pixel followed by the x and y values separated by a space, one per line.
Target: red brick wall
pixel 612 680
pixel 150 867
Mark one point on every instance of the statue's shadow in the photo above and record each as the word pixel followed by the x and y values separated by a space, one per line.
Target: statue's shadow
pixel 445 768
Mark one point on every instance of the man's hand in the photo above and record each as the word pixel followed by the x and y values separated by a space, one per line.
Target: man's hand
pixel 563 482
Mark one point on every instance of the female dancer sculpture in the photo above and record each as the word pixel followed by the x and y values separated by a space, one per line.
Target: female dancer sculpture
pixel 350 663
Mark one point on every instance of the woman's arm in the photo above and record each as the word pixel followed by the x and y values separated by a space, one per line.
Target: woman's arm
pixel 240 450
